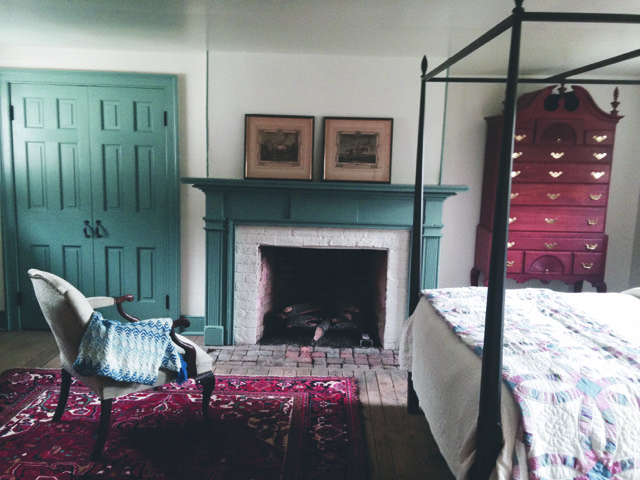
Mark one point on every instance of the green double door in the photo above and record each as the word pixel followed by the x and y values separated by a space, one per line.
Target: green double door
pixel 95 194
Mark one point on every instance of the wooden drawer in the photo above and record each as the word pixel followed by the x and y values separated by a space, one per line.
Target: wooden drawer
pixel 543 263
pixel 559 154
pixel 559 194
pixel 588 264
pixel 554 173
pixel 565 219
pixel 599 137
pixel 557 242
pixel 514 262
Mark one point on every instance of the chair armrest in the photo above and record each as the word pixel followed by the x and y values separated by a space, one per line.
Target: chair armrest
pixel 189 350
pixel 119 301
pixel 101 302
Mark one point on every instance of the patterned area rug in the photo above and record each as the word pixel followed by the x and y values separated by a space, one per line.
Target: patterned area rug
pixel 260 428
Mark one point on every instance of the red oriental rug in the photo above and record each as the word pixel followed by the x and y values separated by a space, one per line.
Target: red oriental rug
pixel 260 428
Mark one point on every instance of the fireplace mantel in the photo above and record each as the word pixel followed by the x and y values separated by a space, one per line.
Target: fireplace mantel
pixel 294 203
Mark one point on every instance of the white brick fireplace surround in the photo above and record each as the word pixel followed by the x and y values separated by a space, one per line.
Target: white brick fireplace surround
pixel 248 314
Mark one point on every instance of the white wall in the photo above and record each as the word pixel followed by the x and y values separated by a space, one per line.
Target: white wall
pixel 190 69
pixel 463 161
pixel 320 86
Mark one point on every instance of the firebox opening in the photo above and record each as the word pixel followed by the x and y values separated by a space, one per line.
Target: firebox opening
pixel 322 296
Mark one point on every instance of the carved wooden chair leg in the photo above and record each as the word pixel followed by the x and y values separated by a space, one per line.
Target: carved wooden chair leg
pixel 65 386
pixel 208 382
pixel 103 429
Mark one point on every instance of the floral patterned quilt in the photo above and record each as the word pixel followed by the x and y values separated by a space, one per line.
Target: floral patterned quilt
pixel 576 381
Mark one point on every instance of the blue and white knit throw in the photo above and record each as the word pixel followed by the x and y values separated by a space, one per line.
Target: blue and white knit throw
pixel 129 352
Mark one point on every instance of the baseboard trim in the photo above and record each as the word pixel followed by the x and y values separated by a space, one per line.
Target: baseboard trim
pixel 196 327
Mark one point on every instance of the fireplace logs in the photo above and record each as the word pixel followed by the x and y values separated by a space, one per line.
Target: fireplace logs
pixel 321 317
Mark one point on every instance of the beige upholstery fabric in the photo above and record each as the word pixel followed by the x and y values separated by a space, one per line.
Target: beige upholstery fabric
pixel 68 311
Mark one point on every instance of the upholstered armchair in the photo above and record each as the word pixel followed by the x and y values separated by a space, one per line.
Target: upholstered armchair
pixel 68 313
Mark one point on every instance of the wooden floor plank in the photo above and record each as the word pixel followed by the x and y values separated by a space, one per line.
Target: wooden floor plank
pixel 383 446
pixel 403 456
pixel 373 472
pixel 419 438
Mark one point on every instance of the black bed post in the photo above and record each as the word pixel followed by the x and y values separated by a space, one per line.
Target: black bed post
pixel 415 277
pixel 489 437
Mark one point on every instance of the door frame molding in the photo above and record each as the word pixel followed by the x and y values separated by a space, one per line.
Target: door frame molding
pixel 8 228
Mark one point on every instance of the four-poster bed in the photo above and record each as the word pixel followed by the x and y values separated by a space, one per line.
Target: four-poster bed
pixel 490 432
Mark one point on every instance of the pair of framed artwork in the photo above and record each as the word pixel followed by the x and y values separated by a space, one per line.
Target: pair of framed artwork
pixel 355 149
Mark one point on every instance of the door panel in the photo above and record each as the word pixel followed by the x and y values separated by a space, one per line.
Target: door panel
pixel 51 161
pixel 93 195
pixel 129 157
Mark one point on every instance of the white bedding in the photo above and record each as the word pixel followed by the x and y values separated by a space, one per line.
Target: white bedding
pixel 446 377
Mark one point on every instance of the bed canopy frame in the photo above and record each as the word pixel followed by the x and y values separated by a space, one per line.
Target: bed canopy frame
pixel 489 432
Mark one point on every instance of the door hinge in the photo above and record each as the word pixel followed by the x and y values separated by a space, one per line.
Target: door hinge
pixel 11 114
pixel 166 118
pixel 167 302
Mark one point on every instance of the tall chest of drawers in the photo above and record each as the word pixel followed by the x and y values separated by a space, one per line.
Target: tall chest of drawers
pixel 563 152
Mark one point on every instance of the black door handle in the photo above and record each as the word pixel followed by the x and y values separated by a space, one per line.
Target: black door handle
pixel 98 227
pixel 86 229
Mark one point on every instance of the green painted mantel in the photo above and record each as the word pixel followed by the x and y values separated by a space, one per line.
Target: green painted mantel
pixel 306 204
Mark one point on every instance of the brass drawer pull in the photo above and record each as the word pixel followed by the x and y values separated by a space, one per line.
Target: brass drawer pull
pixel 587 265
pixel 555 174
pixel 514 174
pixel 517 154
pixel 599 156
pixel 558 155
pixel 550 245
pixel 599 138
pixel 514 195
pixel 553 196
pixel 510 263
pixel 512 219
pixel 551 221
pixel 591 246
pixel 519 138
pixel 592 221
pixel 510 244
pixel 597 175
pixel 595 196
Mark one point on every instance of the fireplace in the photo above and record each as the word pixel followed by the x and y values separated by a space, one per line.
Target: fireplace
pixel 243 216
pixel 279 266
pixel 322 296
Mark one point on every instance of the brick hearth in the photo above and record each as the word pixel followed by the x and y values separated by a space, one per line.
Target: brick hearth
pixel 336 361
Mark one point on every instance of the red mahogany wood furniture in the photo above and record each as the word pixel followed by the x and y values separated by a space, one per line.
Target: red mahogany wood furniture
pixel 562 154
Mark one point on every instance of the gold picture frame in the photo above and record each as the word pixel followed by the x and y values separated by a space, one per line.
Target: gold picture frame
pixel 357 149
pixel 278 146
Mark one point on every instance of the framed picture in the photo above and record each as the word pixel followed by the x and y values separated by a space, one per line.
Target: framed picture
pixel 278 147
pixel 357 149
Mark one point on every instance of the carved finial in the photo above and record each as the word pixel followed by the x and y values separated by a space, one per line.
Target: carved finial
pixel 518 5
pixel 615 102
pixel 424 64
pixel 561 90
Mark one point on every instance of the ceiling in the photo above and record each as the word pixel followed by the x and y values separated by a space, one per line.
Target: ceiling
pixel 406 28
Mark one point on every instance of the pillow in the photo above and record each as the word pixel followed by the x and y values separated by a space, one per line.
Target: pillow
pixel 633 291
